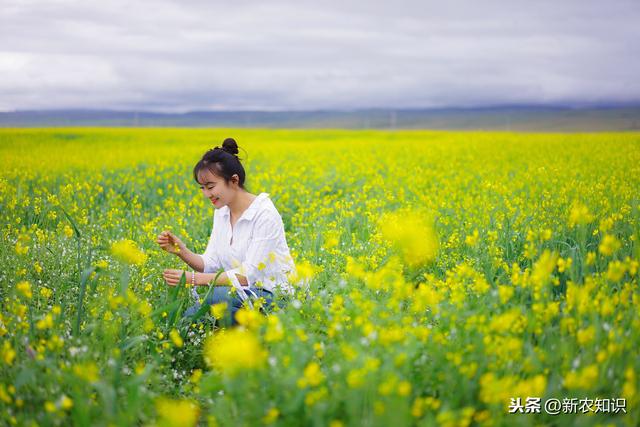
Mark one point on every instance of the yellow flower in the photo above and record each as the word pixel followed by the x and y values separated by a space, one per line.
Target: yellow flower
pixel 144 308
pixel 417 409
pixel 46 292
pixel 231 351
pixel 45 323
pixel 312 376
pixel 219 310
pixel 275 331
pixel 412 234
pixel 505 293
pixel 563 264
pixel 24 288
pixel 630 387
pixel 316 396
pixel 8 354
pixel 21 248
pixel 304 271
pixel 66 402
pixel 584 379
pixel 139 368
pixel 4 396
pixel 355 378
pixel 543 268
pixel 586 336
pixel 616 270
pixel 176 338
pixel 386 387
pixel 127 252
pixel 500 390
pixel 579 215
pixel 68 231
pixel 248 318
pixel 606 224
pixel 196 375
pixel 332 239
pixel 609 245
pixel 472 239
pixel 177 413
pixel 271 416
pixel 404 388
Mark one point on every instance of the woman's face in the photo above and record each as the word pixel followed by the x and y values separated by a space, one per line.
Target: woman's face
pixel 216 189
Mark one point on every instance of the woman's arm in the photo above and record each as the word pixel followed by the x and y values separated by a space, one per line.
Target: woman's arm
pixel 172 244
pixel 223 279
pixel 193 260
pixel 172 277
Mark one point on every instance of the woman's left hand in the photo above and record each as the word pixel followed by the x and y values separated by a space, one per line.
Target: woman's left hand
pixel 172 277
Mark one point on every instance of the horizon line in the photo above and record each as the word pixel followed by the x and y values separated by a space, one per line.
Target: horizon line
pixel 553 106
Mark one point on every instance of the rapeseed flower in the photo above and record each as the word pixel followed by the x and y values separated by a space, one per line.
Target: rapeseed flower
pixel 312 376
pixel 7 353
pixel 579 215
pixel 583 379
pixel 177 412
pixel 176 338
pixel 543 268
pixel 271 416
pixel 127 252
pixel 609 245
pixel 412 234
pixel 231 351
pixel 249 318
pixel 24 288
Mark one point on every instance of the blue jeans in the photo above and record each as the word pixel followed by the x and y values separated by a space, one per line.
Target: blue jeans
pixel 234 303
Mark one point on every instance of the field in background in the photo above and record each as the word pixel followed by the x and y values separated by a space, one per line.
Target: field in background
pixel 532 290
pixel 523 118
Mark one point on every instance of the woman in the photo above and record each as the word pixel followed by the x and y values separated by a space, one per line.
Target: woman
pixel 247 241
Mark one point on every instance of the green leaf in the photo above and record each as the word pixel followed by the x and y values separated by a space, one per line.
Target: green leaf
pixel 84 277
pixel 174 313
pixel 73 223
pixel 133 341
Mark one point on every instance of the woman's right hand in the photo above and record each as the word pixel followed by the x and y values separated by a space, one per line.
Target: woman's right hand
pixel 170 242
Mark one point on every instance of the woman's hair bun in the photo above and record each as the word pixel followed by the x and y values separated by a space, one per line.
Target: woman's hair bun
pixel 230 146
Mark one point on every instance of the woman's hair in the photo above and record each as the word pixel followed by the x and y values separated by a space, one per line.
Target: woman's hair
pixel 222 161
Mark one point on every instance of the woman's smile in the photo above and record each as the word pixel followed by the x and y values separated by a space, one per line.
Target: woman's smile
pixel 214 200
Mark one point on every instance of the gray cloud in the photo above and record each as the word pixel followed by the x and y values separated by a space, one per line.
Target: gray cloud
pixel 179 56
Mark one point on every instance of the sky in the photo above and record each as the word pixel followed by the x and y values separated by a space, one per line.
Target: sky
pixel 179 56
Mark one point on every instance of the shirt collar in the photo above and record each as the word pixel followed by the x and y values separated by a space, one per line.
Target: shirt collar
pixel 253 208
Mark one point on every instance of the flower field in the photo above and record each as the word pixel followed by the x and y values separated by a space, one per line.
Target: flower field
pixel 442 277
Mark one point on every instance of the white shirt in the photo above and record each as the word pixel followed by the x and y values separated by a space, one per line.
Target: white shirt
pixel 254 247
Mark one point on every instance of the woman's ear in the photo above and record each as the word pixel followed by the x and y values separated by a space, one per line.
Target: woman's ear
pixel 235 179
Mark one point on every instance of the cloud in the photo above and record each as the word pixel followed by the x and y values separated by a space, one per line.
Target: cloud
pixel 198 55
